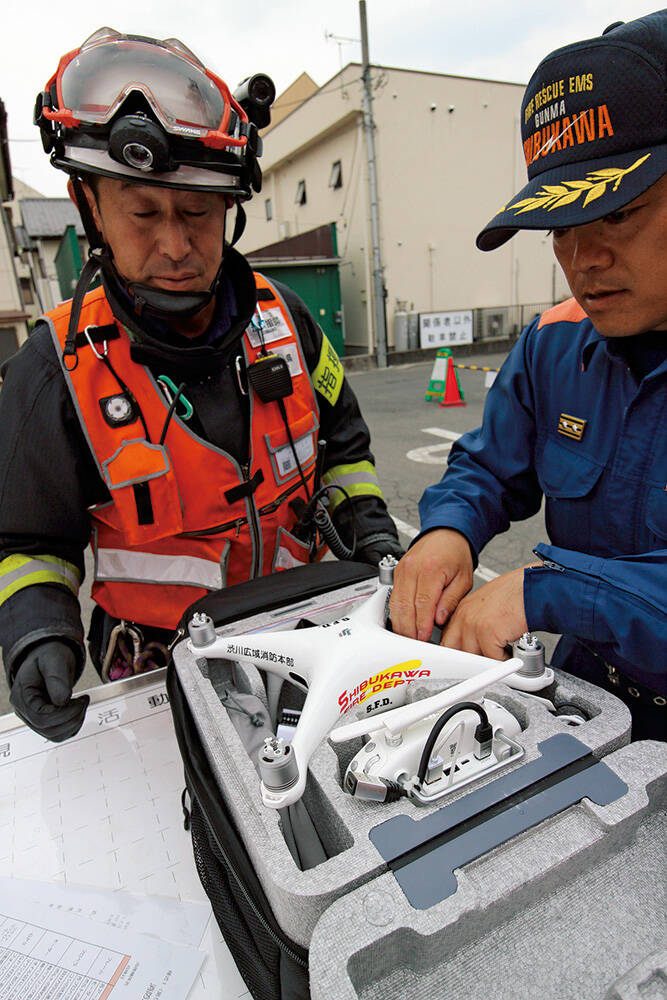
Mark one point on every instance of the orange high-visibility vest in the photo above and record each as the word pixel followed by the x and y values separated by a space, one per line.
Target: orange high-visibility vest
pixel 185 518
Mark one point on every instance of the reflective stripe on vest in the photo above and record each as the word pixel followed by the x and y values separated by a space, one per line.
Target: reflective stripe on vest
pixel 173 501
pixel 147 567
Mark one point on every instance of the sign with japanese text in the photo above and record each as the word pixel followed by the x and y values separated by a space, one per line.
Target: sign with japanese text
pixel 445 329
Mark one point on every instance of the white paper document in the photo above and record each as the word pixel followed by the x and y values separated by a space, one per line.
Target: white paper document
pixel 46 953
pixel 168 919
pixel 98 821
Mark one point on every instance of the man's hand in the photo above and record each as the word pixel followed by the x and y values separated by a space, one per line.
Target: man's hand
pixel 42 691
pixel 429 582
pixel 489 618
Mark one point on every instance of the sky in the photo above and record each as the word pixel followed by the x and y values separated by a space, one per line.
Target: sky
pixel 494 39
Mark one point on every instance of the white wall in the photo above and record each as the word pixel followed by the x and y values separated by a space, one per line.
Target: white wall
pixel 441 176
pixel 9 296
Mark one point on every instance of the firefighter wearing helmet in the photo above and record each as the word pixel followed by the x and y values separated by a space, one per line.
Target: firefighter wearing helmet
pixel 184 416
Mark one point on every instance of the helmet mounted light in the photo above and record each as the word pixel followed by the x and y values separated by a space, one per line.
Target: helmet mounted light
pixel 140 143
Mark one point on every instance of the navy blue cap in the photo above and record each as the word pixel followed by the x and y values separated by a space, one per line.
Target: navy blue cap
pixel 594 130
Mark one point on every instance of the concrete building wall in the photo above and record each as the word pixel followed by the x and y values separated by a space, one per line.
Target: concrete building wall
pixel 28 276
pixel 21 190
pixel 346 205
pixel 448 152
pixel 47 249
pixel 37 263
pixel 285 103
pixel 13 317
pixel 10 299
pixel 441 174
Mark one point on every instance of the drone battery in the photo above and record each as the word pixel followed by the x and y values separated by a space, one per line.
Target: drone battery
pixel 270 377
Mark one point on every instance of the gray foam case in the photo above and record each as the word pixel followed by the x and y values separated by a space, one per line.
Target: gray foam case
pixel 299 899
pixel 574 907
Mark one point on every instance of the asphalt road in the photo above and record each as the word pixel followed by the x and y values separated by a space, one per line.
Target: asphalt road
pixel 410 440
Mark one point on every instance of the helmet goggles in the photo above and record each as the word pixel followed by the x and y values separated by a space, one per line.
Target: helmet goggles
pixel 92 83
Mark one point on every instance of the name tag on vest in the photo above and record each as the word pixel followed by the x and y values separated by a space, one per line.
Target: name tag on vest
pixel 291 355
pixel 274 328
pixel 284 457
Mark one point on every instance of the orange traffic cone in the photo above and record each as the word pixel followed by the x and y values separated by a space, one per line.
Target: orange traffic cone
pixel 453 393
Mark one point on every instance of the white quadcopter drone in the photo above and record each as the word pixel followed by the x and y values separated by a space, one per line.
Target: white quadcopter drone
pixel 355 662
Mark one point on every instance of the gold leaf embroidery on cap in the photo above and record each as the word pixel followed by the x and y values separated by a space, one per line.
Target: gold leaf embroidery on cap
pixel 572 427
pixel 557 195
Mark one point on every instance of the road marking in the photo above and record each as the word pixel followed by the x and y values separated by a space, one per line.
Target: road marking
pixel 406 529
pixel 441 432
pixel 486 574
pixel 433 454
pixel 430 454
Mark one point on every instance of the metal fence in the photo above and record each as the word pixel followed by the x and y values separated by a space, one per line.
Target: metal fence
pixel 496 322
pixel 490 323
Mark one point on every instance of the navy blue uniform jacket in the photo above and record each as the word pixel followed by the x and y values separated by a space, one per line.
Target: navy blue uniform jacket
pixel 567 420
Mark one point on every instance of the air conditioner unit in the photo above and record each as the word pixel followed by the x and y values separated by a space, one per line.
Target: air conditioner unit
pixel 495 323
pixel 283 230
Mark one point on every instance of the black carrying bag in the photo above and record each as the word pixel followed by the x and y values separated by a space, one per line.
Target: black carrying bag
pixel 273 966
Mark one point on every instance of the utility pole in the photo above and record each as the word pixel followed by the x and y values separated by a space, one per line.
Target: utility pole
pixel 369 129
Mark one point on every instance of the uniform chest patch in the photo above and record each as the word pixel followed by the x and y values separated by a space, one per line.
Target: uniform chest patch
pixel 572 427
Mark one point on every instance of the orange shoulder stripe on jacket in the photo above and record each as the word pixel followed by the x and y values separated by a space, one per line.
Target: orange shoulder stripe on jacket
pixel 565 312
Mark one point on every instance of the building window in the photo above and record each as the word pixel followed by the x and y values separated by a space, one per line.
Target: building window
pixel 268 209
pixel 26 292
pixel 336 178
pixel 301 193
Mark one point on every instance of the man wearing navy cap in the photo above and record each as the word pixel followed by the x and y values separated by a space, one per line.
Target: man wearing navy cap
pixel 578 413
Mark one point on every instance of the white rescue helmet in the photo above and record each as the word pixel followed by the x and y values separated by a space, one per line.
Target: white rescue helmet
pixel 130 106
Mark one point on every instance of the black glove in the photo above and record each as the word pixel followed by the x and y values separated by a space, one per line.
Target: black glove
pixel 372 550
pixel 42 691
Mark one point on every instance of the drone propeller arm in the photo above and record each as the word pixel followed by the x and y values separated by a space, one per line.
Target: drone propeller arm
pixel 319 715
pixel 441 662
pixel 374 610
pixel 284 653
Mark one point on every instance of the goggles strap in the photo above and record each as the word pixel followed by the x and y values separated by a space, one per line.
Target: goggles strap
pixel 239 222
pixel 93 234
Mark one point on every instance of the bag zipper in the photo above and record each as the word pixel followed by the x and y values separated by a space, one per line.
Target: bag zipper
pixel 254 526
pixel 217 530
pixel 238 522
pixel 251 902
pixel 269 508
